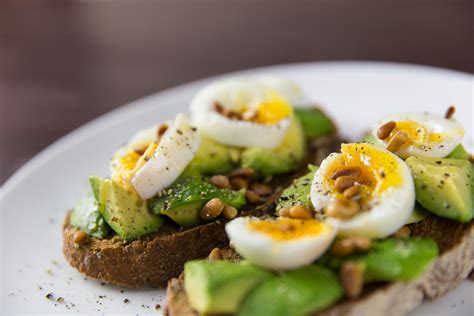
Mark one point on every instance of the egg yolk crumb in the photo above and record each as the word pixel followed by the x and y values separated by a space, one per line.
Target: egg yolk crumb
pixel 287 228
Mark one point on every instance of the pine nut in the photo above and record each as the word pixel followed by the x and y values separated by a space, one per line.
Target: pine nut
pixel 239 183
pixel 397 141
pixel 284 212
pixel 342 208
pixel 450 112
pixel 252 197
pixel 215 255
pixel 261 189
pixel 385 130
pixel 140 150
pixel 212 209
pixel 242 172
pixel 249 115
pixel 344 182
pixel 161 130
pixel 403 232
pixel 351 192
pixel 220 181
pixel 352 278
pixel 287 228
pixel 343 247
pixel 300 212
pixel 229 212
pixel 361 244
pixel 80 237
pixel 352 171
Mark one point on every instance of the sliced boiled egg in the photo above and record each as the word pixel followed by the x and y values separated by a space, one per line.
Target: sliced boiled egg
pixel 424 134
pixel 282 243
pixel 382 192
pixel 164 160
pixel 243 112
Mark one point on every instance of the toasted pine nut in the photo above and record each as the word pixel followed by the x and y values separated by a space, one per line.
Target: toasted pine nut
pixel 361 244
pixel 242 172
pixel 261 189
pixel 351 192
pixel 252 197
pixel 344 182
pixel 212 209
pixel 450 112
pixel 300 212
pixel 161 130
pixel 397 141
pixel 239 183
pixel 220 181
pixel 140 149
pixel 403 232
pixel 284 212
pixel 287 228
pixel 215 255
pixel 229 212
pixel 249 115
pixel 218 107
pixel 352 278
pixel 352 171
pixel 342 208
pixel 80 237
pixel 385 130
pixel 343 247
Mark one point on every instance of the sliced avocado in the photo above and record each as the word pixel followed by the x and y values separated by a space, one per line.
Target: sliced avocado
pixel 443 186
pixel 392 259
pixel 298 191
pixel 87 218
pixel 285 158
pixel 183 201
pixel 123 210
pixel 419 213
pixel 212 158
pixel 299 292
pixel 459 153
pixel 220 286
pixel 314 122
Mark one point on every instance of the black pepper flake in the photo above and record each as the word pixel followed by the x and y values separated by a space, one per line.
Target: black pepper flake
pixel 382 174
pixel 126 301
pixel 438 162
pixel 60 300
pixel 157 306
pixel 49 296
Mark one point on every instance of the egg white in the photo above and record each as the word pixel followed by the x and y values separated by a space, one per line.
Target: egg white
pixel 177 147
pixel 232 94
pixel 451 129
pixel 388 212
pixel 269 253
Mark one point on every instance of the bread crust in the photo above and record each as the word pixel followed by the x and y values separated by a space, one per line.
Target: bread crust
pixel 456 260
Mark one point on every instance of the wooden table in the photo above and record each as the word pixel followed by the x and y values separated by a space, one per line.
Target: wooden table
pixel 63 63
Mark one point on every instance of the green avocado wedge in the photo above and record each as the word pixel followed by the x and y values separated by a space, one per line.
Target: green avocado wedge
pixel 183 201
pixel 123 210
pixel 87 218
pixel 314 122
pixel 298 191
pixel 459 153
pixel 392 259
pixel 299 292
pixel 220 286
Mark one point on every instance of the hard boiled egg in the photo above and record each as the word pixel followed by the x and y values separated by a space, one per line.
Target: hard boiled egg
pixel 244 112
pixel 427 135
pixel 282 243
pixel 166 159
pixel 385 193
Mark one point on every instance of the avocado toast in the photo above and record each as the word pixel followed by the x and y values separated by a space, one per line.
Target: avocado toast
pixel 173 186
pixel 373 229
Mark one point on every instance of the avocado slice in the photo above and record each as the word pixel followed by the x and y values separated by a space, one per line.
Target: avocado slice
pixel 459 153
pixel 284 158
pixel 443 186
pixel 183 201
pixel 298 191
pixel 123 210
pixel 298 292
pixel 87 218
pixel 314 122
pixel 220 286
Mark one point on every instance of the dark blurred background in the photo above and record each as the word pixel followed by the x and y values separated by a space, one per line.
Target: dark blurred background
pixel 63 63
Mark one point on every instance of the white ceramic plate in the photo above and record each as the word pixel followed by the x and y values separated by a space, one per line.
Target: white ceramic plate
pixel 36 198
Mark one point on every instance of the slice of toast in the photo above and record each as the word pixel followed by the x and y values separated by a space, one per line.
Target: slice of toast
pixel 456 260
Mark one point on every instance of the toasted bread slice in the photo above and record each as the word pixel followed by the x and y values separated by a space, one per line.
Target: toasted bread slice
pixel 456 260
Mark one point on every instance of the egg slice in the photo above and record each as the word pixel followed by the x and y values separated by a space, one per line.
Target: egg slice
pixel 280 244
pixel 386 191
pixel 243 113
pixel 428 135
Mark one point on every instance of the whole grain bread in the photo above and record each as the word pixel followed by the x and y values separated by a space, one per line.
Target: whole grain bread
pixel 456 260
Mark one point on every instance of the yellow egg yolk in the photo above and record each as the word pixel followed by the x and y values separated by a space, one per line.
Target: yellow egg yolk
pixel 287 228
pixel 273 109
pixel 417 133
pixel 127 165
pixel 379 170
